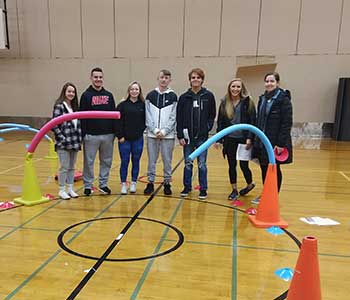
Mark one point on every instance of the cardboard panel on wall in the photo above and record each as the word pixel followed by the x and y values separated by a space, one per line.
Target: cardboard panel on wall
pixel 279 27
pixel 98 28
pixel 202 27
pixel 240 21
pixel 132 28
pixel 65 28
pixel 344 41
pixel 33 27
pixel 253 77
pixel 166 28
pixel 319 27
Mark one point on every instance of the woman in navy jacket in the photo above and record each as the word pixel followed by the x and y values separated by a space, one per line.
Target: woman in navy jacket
pixel 275 119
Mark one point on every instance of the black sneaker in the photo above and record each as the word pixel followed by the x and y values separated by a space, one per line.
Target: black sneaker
pixel 105 190
pixel 233 195
pixel 202 194
pixel 185 191
pixel 167 189
pixel 149 188
pixel 247 189
pixel 87 192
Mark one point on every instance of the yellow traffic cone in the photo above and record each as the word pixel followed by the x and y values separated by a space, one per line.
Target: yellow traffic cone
pixel 53 159
pixel 31 193
pixel 52 152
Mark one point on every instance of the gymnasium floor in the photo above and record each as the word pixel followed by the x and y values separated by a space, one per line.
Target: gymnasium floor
pixel 207 249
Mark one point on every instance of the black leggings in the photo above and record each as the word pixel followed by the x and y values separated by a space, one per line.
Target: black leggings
pixel 231 149
pixel 279 174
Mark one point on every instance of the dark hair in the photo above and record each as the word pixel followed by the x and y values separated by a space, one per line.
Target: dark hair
pixel 165 72
pixel 62 97
pixel 96 69
pixel 198 71
pixel 274 74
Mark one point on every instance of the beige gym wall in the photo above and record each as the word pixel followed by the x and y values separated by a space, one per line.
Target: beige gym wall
pixel 57 41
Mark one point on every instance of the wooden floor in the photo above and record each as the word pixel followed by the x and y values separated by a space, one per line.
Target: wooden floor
pixel 222 256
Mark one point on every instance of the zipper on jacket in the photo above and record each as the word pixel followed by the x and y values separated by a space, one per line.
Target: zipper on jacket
pixel 158 110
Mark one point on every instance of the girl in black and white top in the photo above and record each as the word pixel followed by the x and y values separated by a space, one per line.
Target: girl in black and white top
pixel 67 140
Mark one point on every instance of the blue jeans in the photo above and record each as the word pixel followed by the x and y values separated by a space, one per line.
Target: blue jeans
pixel 202 166
pixel 133 148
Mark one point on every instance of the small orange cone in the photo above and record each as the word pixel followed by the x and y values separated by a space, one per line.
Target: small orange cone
pixel 306 279
pixel 268 209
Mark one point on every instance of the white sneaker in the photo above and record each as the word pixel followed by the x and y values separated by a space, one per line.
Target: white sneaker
pixel 133 187
pixel 63 195
pixel 73 194
pixel 256 200
pixel 124 190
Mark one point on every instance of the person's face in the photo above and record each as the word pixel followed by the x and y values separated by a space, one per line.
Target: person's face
pixel 270 83
pixel 236 88
pixel 163 80
pixel 97 79
pixel 70 93
pixel 196 81
pixel 134 91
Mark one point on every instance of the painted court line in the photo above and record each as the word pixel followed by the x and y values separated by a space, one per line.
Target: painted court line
pixel 343 174
pixel 17 167
pixel 234 257
pixel 258 248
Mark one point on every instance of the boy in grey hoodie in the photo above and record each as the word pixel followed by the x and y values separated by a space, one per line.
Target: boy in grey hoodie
pixel 161 124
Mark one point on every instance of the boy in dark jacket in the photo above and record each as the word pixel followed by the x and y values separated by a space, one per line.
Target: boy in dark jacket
pixel 195 116
pixel 98 134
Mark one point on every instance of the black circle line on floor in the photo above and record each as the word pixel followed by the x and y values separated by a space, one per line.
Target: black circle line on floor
pixel 173 248
pixel 116 241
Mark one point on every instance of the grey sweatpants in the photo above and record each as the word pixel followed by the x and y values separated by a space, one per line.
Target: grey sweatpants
pixel 104 145
pixel 67 162
pixel 166 147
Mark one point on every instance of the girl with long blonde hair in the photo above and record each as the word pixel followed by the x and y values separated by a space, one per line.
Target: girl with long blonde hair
pixel 130 128
pixel 236 107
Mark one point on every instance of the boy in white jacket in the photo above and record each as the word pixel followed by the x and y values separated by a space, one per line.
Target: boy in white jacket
pixel 161 123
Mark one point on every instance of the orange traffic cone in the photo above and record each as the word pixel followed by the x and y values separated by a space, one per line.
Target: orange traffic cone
pixel 306 279
pixel 268 209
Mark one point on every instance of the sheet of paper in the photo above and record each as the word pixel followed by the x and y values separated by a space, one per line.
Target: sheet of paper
pixel 242 153
pixel 319 221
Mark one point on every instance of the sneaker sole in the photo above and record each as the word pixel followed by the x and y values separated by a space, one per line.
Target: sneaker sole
pixel 202 197
pixel 103 192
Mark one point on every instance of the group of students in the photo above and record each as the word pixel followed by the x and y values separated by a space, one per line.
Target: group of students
pixel 189 118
